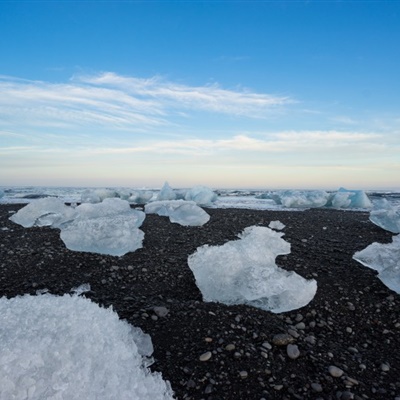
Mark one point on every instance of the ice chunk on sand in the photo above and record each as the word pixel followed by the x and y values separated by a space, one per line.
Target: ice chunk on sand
pixel 244 272
pixel 68 347
pixel 344 198
pixel 386 216
pixel 109 227
pixel 49 211
pixel 97 195
pixel 1 193
pixel 277 225
pixel 303 199
pixel 201 195
pixel 166 193
pixel 186 213
pixel 384 258
pixel 140 196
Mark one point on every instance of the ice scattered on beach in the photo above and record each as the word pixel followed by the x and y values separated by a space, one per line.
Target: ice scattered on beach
pixel 386 216
pixel 344 198
pixel 67 347
pixel 140 196
pixel 384 258
pixel 201 195
pixel 48 211
pixel 244 272
pixel 97 195
pixel 166 193
pixel 186 213
pixel 110 227
pixel 277 225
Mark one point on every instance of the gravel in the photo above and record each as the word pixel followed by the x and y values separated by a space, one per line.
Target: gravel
pixel 352 324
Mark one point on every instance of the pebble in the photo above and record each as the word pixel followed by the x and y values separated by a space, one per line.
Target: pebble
pixel 230 347
pixel 205 356
pixel 316 387
pixel 335 371
pixel 243 374
pixel 161 311
pixel 385 367
pixel 292 351
pixel 282 339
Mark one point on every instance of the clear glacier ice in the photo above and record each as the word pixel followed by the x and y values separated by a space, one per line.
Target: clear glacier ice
pixel 345 198
pixel 67 347
pixel 186 213
pixel 384 258
pixel 97 195
pixel 49 211
pixel 386 216
pixel 110 227
pixel 303 198
pixel 201 195
pixel 166 193
pixel 244 272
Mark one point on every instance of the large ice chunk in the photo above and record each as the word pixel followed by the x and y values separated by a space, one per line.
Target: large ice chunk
pixel 67 347
pixel 140 196
pixel 166 193
pixel 109 227
pixel 384 258
pixel 244 272
pixel 303 199
pixel 48 211
pixel 344 198
pixel 97 195
pixel 186 213
pixel 386 216
pixel 201 195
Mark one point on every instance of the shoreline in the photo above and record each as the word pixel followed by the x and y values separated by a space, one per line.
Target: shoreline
pixel 340 327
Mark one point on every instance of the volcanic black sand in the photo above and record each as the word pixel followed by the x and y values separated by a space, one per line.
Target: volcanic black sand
pixel 353 323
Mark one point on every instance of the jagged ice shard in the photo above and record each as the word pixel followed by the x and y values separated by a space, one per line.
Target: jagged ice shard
pixel 186 213
pixel 384 258
pixel 201 195
pixel 49 211
pixel 67 347
pixel 244 272
pixel 386 216
pixel 109 227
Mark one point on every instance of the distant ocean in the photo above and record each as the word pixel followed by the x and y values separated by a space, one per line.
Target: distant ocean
pixel 227 198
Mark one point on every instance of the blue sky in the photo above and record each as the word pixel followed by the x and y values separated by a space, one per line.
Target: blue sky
pixel 263 94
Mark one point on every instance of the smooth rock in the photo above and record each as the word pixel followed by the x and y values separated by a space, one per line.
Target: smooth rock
pixel 282 339
pixel 292 351
pixel 335 371
pixel 205 356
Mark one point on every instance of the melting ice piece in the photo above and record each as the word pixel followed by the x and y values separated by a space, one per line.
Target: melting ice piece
pixel 97 195
pixel 303 199
pixel 49 211
pixel 186 213
pixel 344 198
pixel 69 348
pixel 201 195
pixel 109 227
pixel 277 225
pixel 244 272
pixel 140 196
pixel 386 216
pixel 166 193
pixel 384 258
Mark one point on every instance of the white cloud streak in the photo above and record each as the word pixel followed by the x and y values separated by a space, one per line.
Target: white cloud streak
pixel 111 101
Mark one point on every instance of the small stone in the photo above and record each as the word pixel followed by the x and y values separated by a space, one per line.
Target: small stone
pixel 292 351
pixel 385 367
pixel 208 339
pixel 267 345
pixel 243 374
pixel 230 347
pixel 316 387
pixel 209 389
pixel 347 395
pixel 160 311
pixel 301 325
pixel 335 371
pixel 282 339
pixel 205 356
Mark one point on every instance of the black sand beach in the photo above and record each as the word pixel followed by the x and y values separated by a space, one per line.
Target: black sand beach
pixel 353 323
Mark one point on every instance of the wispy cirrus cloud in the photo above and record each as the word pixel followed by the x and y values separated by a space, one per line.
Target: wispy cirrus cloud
pixel 109 100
